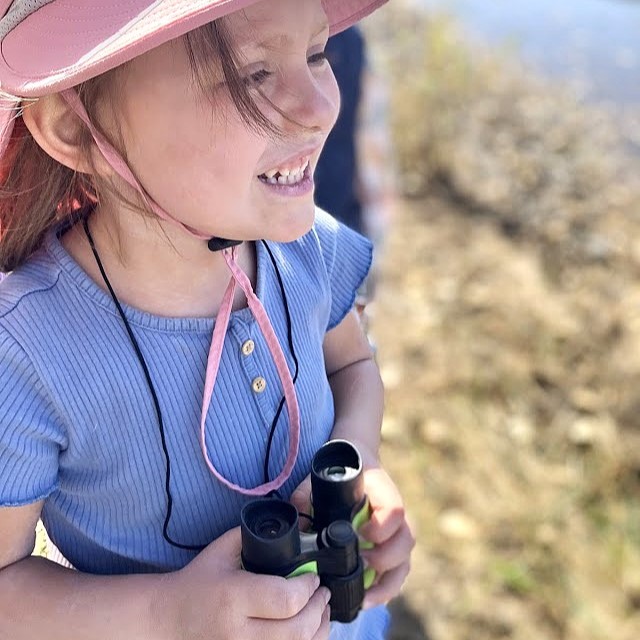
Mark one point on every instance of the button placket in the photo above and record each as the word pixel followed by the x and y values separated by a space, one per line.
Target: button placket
pixel 258 372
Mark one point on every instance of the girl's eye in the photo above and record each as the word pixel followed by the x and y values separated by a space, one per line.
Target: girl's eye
pixel 317 58
pixel 260 76
pixel 257 78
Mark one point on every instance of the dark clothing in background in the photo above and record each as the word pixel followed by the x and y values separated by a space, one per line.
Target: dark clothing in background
pixel 336 173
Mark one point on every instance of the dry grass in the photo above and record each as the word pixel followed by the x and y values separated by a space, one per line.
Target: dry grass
pixel 504 430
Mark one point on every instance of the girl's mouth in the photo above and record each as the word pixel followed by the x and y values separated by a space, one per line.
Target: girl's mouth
pixel 294 181
pixel 286 176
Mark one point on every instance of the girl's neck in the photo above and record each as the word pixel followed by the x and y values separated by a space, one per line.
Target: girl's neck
pixel 156 267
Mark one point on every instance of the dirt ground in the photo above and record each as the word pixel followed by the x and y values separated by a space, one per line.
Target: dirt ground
pixel 511 427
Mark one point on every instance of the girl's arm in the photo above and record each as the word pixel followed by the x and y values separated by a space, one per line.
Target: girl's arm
pixel 358 397
pixel 210 599
pixel 39 599
pixel 356 386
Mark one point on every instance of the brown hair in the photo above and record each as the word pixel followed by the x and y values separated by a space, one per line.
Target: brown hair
pixel 36 191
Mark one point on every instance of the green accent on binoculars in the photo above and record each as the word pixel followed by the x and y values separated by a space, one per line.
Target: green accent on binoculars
pixel 359 519
pixel 369 577
pixel 307 567
pixel 312 567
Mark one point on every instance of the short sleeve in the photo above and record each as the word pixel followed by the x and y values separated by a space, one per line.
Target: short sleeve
pixel 31 434
pixel 347 257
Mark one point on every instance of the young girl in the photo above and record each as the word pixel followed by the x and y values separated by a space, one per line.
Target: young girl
pixel 156 167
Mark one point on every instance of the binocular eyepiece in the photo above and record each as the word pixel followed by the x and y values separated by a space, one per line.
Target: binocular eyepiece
pixel 272 543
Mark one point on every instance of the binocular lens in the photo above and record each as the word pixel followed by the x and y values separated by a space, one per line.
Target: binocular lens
pixel 269 519
pixel 338 473
pixel 332 473
pixel 271 528
pixel 270 537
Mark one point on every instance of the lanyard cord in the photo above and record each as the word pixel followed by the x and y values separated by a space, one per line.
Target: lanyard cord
pixel 295 362
pixel 156 402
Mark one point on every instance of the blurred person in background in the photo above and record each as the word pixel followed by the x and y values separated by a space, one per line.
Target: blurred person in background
pixel 354 175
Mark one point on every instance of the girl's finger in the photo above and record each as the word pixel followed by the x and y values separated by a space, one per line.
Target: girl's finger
pixel 387 510
pixel 301 497
pixel 391 553
pixel 325 625
pixel 380 488
pixel 387 587
pixel 383 524
pixel 308 623
pixel 275 598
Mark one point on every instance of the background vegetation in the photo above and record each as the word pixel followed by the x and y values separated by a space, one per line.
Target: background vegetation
pixel 508 332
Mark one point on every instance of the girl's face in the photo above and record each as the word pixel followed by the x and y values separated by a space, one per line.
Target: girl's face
pixel 201 162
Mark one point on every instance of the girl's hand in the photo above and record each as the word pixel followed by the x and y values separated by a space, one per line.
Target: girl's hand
pixel 387 529
pixel 212 598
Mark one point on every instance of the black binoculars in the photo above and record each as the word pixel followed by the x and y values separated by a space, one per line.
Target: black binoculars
pixel 272 543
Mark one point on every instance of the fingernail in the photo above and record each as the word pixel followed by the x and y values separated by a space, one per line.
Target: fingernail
pixel 316 582
pixel 327 596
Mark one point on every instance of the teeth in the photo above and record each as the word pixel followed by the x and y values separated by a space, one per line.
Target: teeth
pixel 286 176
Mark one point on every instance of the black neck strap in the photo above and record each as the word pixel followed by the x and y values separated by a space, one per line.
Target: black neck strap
pixel 161 428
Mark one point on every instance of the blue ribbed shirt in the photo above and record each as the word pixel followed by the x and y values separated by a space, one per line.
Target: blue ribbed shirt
pixel 78 428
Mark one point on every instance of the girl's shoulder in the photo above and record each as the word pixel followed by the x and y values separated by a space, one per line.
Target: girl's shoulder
pixel 325 226
pixel 331 236
pixel 342 261
pixel 37 275
pixel 340 245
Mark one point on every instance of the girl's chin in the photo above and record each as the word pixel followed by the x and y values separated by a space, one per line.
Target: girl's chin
pixel 280 225
pixel 294 227
pixel 290 236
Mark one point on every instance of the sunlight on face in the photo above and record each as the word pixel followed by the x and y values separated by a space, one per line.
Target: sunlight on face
pixel 197 157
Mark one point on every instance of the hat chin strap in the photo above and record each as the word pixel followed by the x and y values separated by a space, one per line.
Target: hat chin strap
pixel 117 163
pixel 238 277
pixel 219 244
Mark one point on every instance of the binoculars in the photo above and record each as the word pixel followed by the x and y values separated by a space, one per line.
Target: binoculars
pixel 272 543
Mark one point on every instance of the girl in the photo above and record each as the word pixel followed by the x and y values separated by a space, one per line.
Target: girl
pixel 157 162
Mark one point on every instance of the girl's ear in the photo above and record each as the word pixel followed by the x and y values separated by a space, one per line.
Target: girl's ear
pixel 57 130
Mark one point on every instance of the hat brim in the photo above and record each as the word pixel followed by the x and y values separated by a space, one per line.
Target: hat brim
pixel 79 40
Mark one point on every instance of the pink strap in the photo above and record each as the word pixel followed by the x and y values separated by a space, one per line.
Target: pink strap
pixel 213 363
pixel 119 165
pixel 222 321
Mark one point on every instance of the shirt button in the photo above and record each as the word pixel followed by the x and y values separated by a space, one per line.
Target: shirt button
pixel 248 347
pixel 259 384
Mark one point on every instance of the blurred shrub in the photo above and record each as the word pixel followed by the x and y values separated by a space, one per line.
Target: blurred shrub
pixel 477 123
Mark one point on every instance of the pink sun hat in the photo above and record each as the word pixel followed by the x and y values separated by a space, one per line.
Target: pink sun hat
pixel 50 45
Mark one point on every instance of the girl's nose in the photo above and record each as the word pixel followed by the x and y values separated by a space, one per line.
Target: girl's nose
pixel 313 100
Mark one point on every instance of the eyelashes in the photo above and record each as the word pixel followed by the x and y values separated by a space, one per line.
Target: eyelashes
pixel 317 58
pixel 259 77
